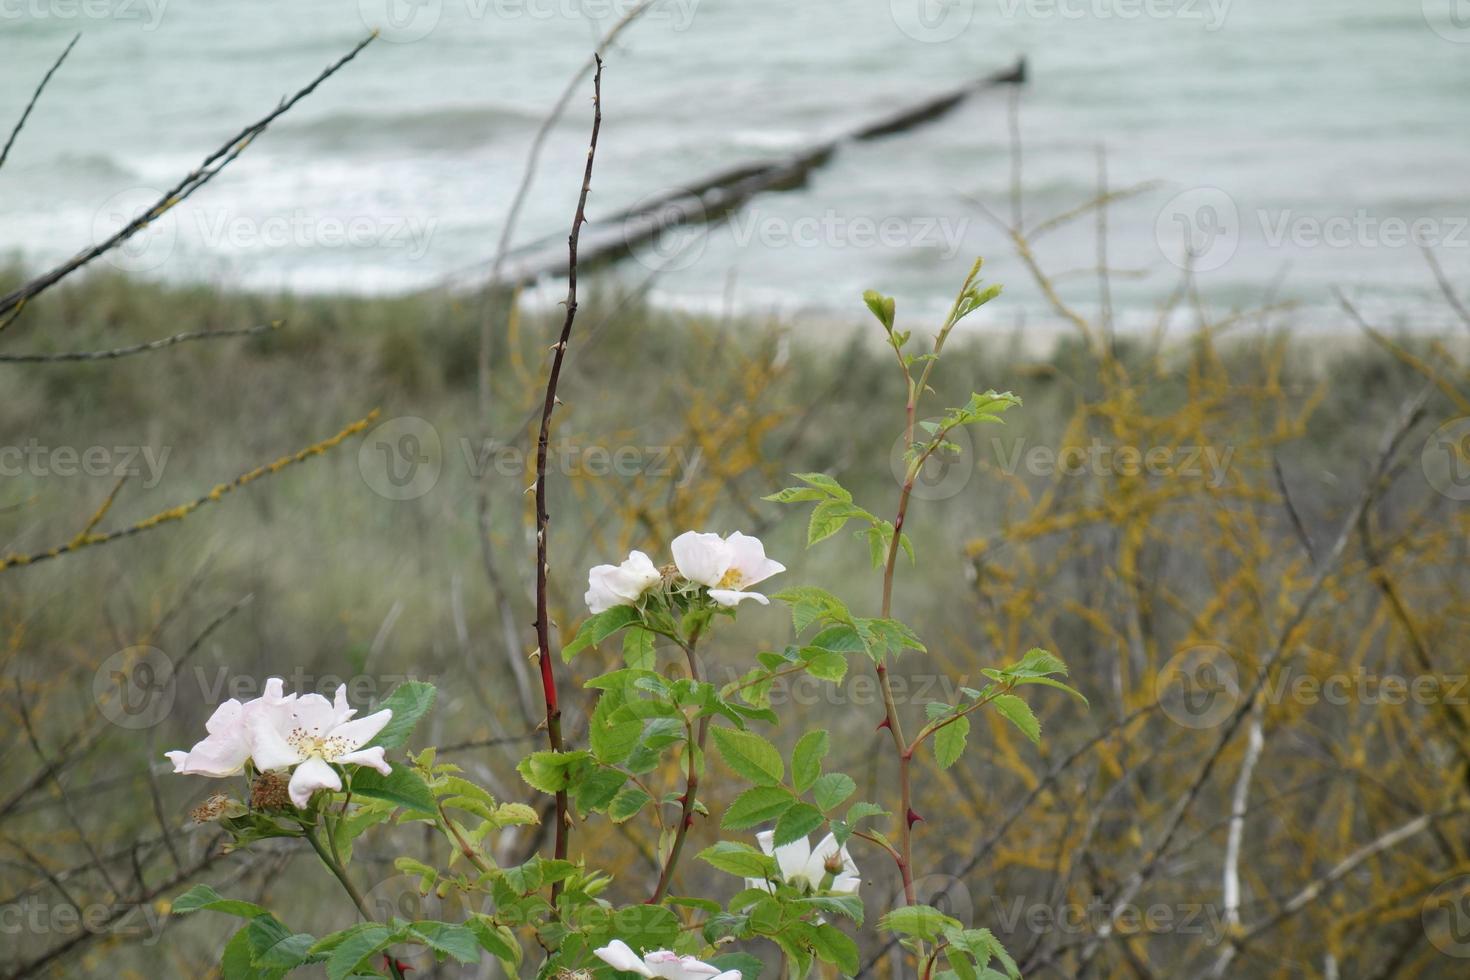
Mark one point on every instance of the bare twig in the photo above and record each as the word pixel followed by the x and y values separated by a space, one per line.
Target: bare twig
pixel 1309 894
pixel 1124 894
pixel 88 538
pixel 197 178
pixel 45 79
pixel 152 345
pixel 528 174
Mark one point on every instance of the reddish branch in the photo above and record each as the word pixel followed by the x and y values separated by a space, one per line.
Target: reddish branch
pixel 543 623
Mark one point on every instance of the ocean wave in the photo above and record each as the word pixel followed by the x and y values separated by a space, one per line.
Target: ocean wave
pixel 442 128
pixel 88 167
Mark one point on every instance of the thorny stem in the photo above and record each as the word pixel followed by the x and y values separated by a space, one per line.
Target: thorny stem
pixel 329 858
pixel 543 623
pixel 691 784
pixel 916 389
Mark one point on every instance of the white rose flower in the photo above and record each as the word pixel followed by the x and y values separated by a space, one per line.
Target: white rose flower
pixel 316 734
pixel 805 866
pixel 230 741
pixel 620 585
pixel 727 566
pixel 660 963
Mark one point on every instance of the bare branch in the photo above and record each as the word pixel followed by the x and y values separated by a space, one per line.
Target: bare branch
pixel 45 79
pixel 152 345
pixel 12 302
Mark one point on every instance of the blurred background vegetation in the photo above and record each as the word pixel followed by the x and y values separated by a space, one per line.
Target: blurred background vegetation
pixel 1352 819
pixel 1244 528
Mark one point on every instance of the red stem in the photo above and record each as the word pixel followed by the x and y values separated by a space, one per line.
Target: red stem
pixel 543 623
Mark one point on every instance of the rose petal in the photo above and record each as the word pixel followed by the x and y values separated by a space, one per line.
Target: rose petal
pixel 701 558
pixel 310 776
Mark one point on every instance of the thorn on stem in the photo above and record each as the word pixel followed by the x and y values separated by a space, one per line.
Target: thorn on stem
pixel 882 725
pixel 913 818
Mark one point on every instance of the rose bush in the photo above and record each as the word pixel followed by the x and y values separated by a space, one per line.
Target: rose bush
pixel 315 771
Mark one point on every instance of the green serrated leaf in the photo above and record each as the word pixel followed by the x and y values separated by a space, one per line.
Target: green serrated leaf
pixel 550 772
pixel 1051 682
pixel 834 946
pixel 629 801
pixel 827 519
pixel 206 899
pixel 401 787
pixel 919 921
pixel 409 702
pixel 831 790
pixel 757 805
pixel 792 495
pixel 447 939
pixel 949 741
pixel 1019 713
pixel 349 954
pixel 638 648
pixel 824 482
pixel 612 742
pixel 883 307
pixel 598 628
pixel 796 823
pixel 750 755
pixel 825 665
pixel 739 859
pixel 806 758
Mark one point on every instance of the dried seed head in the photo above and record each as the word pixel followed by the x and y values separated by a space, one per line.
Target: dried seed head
pixel 211 809
pixel 270 791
